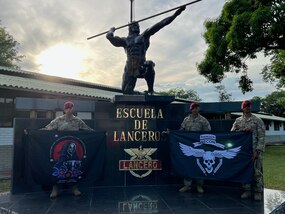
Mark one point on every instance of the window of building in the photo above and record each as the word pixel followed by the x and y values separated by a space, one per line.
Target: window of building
pixel 22 114
pixel 267 124
pixel 41 114
pixel 7 112
pixel 277 125
pixel 9 100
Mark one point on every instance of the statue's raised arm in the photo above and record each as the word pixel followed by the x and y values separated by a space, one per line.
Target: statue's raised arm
pixel 115 40
pixel 155 28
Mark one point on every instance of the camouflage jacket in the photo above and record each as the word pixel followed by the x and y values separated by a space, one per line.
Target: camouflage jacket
pixel 63 123
pixel 257 127
pixel 198 123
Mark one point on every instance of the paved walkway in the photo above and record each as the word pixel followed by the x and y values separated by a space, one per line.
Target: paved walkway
pixel 143 199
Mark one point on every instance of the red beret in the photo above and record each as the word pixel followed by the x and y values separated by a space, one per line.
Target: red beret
pixel 245 103
pixel 193 105
pixel 68 104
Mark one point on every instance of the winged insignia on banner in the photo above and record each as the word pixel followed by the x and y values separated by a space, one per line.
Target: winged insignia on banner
pixel 208 156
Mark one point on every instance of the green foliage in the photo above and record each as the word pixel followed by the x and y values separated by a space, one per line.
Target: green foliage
pixel 5 185
pixel 274 103
pixel 257 98
pixel 181 93
pixel 276 70
pixel 244 28
pixel 8 50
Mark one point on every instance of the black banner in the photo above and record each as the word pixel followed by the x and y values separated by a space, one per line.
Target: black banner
pixel 55 157
pixel 223 156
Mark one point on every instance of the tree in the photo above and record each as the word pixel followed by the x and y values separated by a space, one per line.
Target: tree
pixel 276 70
pixel 257 99
pixel 274 103
pixel 245 28
pixel 224 96
pixel 181 93
pixel 8 49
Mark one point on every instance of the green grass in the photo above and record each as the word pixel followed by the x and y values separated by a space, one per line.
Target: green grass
pixel 5 185
pixel 273 164
pixel 274 167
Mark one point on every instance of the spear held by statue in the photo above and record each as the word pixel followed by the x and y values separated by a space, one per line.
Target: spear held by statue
pixel 158 14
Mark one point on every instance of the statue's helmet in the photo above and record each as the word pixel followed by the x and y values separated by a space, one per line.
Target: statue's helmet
pixel 134 28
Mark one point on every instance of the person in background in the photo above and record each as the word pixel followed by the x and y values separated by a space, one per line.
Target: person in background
pixel 250 123
pixel 67 122
pixel 194 122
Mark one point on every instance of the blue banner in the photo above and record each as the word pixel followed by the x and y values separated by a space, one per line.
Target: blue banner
pixel 59 157
pixel 223 156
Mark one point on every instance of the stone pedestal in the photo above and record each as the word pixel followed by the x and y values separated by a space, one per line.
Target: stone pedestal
pixel 137 149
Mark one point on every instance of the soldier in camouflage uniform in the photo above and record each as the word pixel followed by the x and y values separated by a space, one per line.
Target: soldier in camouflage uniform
pixel 67 122
pixel 194 122
pixel 249 122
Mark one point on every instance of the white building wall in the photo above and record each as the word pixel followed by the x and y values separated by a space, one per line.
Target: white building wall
pixel 84 115
pixel 6 136
pixel 271 130
pixel 6 148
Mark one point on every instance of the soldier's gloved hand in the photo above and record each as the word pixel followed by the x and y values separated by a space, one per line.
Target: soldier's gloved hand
pixel 179 11
pixel 112 29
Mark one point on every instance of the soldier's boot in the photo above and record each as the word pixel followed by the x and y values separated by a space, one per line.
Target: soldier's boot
pixel 54 192
pixel 75 191
pixel 246 195
pixel 200 189
pixel 257 196
pixel 185 188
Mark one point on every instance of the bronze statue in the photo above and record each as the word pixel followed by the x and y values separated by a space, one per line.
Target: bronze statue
pixel 136 45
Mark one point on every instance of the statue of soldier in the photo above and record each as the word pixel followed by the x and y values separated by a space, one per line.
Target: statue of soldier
pixel 135 46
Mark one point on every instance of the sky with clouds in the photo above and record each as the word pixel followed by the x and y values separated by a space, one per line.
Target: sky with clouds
pixel 53 37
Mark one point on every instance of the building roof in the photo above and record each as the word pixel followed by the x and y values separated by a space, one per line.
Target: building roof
pixel 31 81
pixel 263 116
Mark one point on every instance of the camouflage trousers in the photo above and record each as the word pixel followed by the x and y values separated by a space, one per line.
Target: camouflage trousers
pixel 257 183
pixel 189 181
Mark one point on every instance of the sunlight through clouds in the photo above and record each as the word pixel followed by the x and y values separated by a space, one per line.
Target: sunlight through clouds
pixel 62 60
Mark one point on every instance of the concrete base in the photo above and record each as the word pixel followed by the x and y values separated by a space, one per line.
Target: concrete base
pixel 144 199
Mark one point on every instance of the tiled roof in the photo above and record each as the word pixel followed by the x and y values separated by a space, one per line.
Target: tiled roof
pixel 18 79
pixel 263 116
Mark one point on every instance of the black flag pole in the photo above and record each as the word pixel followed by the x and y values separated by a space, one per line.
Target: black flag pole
pixel 158 14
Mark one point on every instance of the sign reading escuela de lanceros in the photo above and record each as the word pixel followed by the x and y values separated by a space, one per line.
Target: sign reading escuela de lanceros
pixel 141 132
pixel 141 128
